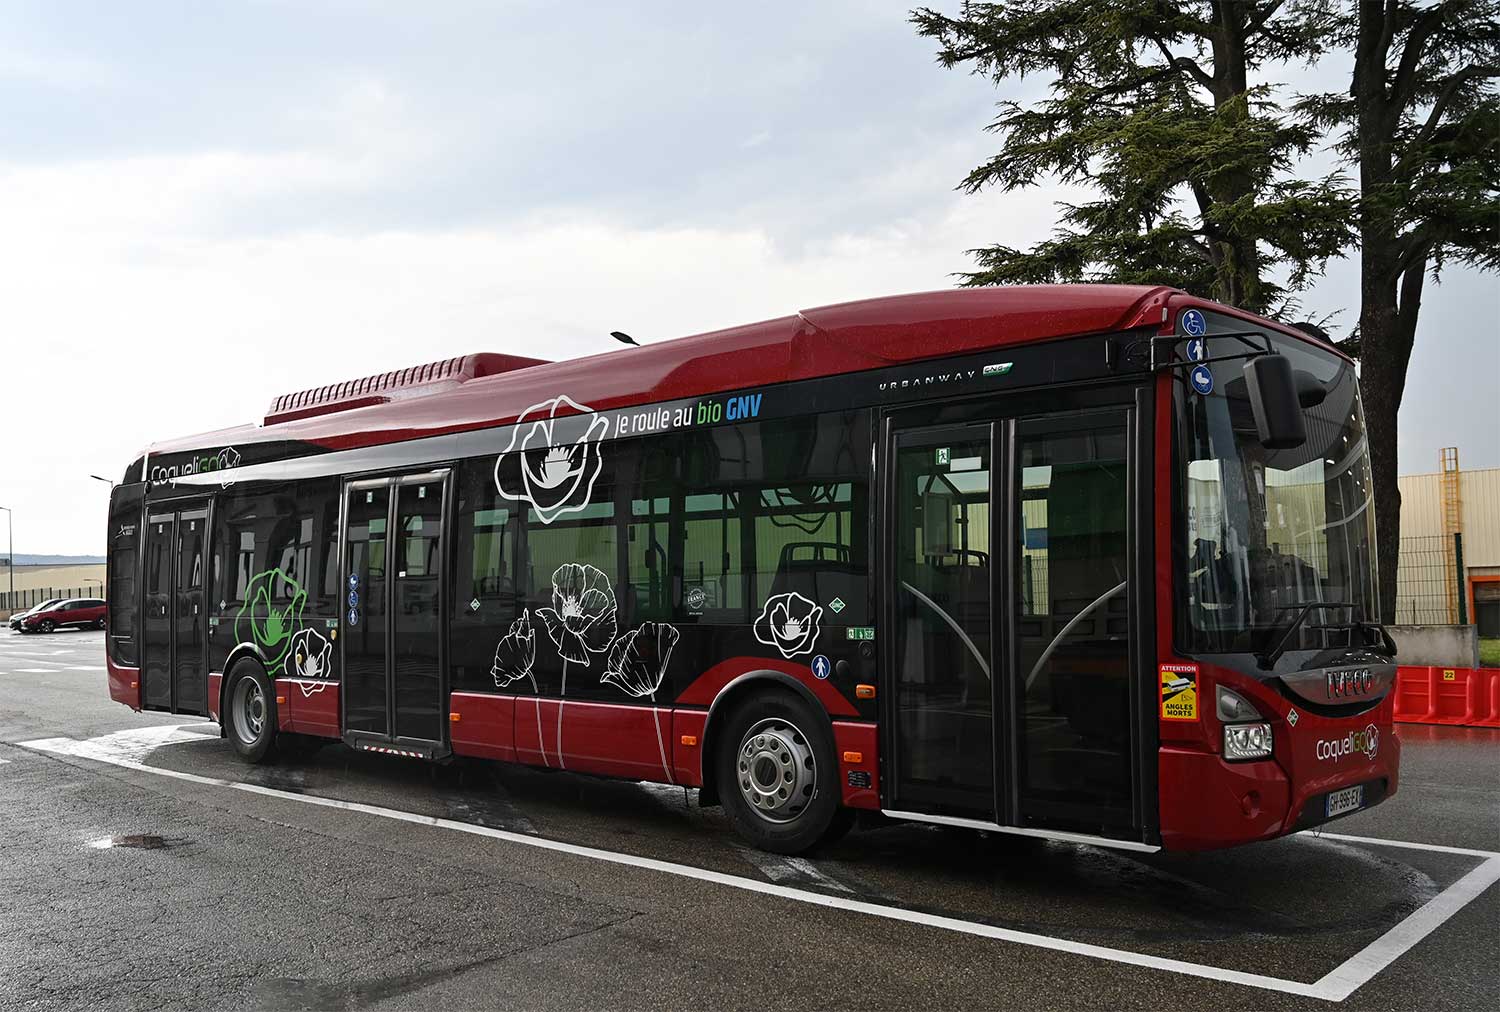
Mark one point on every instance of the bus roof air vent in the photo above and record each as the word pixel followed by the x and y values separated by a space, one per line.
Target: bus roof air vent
pixel 416 381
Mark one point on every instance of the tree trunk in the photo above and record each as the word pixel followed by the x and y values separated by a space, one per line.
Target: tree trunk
pixel 1386 333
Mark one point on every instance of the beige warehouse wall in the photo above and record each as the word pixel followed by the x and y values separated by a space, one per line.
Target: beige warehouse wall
pixel 42 577
pixel 1422 516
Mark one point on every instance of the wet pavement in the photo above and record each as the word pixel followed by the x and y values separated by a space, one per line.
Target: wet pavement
pixel 146 867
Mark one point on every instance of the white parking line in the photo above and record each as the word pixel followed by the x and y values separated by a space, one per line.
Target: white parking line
pixel 1336 985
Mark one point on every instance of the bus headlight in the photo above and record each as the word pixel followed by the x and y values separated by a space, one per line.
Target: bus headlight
pixel 1247 741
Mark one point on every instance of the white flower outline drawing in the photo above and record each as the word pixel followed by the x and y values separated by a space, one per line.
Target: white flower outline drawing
pixel 553 487
pixel 309 656
pixel 582 621
pixel 637 665
pixel 515 657
pixel 790 623
pixel 515 654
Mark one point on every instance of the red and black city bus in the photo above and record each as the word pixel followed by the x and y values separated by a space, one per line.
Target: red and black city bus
pixel 1091 563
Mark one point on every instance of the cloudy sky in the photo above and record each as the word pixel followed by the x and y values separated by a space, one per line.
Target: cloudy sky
pixel 202 206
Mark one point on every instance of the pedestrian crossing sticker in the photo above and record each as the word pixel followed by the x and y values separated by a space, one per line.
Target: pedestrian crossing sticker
pixel 1179 691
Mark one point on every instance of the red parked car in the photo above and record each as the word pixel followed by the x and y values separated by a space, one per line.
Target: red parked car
pixel 75 613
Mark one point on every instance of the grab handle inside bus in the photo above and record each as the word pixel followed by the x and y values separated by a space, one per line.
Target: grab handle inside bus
pixel 1274 400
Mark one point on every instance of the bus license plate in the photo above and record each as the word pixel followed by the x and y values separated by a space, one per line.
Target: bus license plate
pixel 1346 800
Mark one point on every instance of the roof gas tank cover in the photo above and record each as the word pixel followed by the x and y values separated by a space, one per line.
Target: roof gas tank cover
pixel 415 381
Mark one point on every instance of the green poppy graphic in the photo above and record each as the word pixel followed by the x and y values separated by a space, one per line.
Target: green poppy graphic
pixel 270 624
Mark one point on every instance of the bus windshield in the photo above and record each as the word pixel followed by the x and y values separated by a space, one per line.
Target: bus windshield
pixel 1262 532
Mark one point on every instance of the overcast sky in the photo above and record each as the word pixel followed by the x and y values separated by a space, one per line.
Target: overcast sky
pixel 202 206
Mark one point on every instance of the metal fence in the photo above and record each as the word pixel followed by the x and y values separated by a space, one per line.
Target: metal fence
pixel 22 599
pixel 1430 581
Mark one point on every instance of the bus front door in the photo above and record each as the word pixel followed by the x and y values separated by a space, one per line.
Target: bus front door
pixel 395 613
pixel 1013 698
pixel 174 673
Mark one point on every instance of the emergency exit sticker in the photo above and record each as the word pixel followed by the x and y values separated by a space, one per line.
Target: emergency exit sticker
pixel 1179 691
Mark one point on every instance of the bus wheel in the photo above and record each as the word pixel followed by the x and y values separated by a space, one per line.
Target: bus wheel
pixel 251 713
pixel 776 773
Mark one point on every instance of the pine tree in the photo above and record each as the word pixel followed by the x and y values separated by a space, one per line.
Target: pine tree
pixel 1421 122
pixel 1163 110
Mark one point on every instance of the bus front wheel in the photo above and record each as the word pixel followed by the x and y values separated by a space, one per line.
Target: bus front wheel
pixel 777 773
pixel 251 713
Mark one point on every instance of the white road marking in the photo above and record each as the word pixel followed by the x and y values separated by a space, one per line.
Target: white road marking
pixel 1358 969
pixel 4 761
pixel 128 746
pixel 783 868
pixel 1334 986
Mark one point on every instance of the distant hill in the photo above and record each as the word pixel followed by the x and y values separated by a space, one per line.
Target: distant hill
pixel 56 560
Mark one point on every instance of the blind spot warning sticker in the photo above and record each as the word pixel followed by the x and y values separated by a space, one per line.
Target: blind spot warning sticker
pixel 1179 691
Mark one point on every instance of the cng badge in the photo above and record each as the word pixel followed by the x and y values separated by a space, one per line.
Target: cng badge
pixel 1179 691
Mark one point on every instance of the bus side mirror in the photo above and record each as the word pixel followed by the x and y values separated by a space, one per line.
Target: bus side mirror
pixel 1275 402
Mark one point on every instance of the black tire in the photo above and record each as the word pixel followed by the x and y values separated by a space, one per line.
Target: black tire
pixel 777 774
pixel 250 712
pixel 45 625
pixel 99 624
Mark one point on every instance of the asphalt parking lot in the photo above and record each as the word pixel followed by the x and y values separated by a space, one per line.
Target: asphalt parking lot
pixel 145 867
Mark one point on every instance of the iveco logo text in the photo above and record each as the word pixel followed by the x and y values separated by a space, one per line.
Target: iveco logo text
pixel 1366 741
pixel 1349 682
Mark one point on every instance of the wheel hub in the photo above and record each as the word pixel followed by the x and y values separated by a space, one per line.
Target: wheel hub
pixel 249 710
pixel 775 770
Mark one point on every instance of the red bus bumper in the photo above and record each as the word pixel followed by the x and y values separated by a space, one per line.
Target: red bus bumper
pixel 1206 802
pixel 124 684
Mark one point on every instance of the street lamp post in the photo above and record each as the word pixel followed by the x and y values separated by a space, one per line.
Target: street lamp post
pixel 10 549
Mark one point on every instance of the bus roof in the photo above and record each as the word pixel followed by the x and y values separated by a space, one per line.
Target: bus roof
pixel 481 391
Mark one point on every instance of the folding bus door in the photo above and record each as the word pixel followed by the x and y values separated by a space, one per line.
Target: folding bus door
pixel 174 622
pixel 1015 694
pixel 395 614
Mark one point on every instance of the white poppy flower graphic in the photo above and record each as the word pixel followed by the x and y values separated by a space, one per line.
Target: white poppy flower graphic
pixel 790 623
pixel 637 664
pixel 515 654
pixel 514 657
pixel 309 657
pixel 555 479
pixel 580 622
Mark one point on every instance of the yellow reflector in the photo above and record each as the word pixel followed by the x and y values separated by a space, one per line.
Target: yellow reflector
pixel 864 692
pixel 453 717
pixel 854 757
pixel 690 739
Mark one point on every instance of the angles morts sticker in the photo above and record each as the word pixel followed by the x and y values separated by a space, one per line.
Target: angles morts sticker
pixel 1179 691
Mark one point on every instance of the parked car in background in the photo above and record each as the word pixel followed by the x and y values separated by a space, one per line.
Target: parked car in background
pixel 15 620
pixel 74 613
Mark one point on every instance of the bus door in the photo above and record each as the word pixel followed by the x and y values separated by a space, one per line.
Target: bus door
pixel 174 672
pixel 395 613
pixel 1011 689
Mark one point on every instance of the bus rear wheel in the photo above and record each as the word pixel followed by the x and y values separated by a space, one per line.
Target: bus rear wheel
pixel 776 773
pixel 251 712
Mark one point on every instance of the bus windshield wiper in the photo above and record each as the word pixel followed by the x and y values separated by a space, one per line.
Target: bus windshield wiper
pixel 1268 657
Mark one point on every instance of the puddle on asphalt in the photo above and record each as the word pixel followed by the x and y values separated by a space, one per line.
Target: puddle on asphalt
pixel 138 841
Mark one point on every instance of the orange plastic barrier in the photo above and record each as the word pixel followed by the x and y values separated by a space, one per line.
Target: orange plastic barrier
pixel 1437 695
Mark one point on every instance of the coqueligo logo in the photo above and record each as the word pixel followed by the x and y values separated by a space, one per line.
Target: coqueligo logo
pixel 1366 741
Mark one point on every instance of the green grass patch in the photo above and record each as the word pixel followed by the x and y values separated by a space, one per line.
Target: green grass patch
pixel 1489 653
